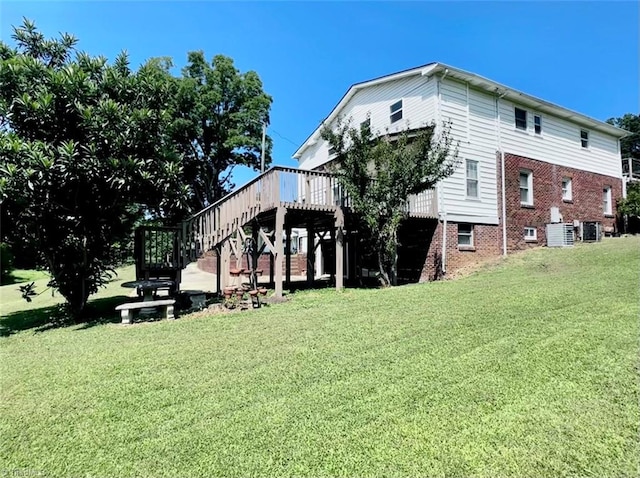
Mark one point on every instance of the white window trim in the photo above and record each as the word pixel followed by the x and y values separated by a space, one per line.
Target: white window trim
pixel 529 187
pixel 569 196
pixel 608 206
pixel 526 120
pixel 471 235
pixel 533 237
pixel 401 110
pixel 538 115
pixel 588 140
pixel 476 179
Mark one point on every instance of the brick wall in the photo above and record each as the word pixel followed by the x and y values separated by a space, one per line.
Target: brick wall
pixel 586 203
pixel 208 263
pixel 487 242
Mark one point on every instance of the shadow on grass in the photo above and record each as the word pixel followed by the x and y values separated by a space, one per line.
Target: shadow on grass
pixel 99 311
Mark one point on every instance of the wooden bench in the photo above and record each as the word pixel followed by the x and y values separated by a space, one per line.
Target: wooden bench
pixel 126 309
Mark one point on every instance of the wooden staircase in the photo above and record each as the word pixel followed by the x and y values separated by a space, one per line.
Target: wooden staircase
pixel 268 207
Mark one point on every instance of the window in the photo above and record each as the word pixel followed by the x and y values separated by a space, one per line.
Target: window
pixel 567 193
pixel 530 234
pixel 465 235
pixel 606 200
pixel 521 119
pixel 366 123
pixel 396 111
pixel 472 179
pixel 331 151
pixel 584 138
pixel 537 124
pixel 526 188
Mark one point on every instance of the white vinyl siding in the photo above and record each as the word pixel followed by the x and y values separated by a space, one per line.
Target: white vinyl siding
pixel 473 125
pixel 419 100
pixel 560 143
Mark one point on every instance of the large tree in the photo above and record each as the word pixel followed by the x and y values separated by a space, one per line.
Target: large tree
pixel 219 115
pixel 85 149
pixel 630 145
pixel 380 172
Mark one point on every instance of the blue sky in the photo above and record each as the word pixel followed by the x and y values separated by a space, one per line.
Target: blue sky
pixel 581 55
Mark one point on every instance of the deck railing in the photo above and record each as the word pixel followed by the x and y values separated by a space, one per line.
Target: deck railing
pixel 289 187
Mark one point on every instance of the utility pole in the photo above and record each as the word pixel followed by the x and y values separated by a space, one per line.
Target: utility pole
pixel 264 138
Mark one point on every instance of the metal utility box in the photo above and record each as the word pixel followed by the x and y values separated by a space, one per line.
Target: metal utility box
pixel 560 235
pixel 591 231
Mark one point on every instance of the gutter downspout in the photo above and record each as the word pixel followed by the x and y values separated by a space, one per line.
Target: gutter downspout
pixel 443 214
pixel 502 178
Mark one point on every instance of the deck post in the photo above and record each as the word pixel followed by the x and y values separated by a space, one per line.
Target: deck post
pixel 218 269
pixel 256 252
pixel 311 253
pixel 339 217
pixel 288 256
pixel 279 249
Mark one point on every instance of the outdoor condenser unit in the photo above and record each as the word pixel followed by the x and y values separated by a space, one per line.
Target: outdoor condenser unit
pixel 560 235
pixel 591 231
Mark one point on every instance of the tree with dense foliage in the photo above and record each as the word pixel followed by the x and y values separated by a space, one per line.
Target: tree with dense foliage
pixel 380 172
pixel 630 145
pixel 85 149
pixel 219 115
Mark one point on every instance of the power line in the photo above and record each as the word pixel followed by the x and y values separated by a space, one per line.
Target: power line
pixel 286 139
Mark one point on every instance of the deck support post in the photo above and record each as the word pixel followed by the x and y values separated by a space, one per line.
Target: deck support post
pixel 311 253
pixel 279 249
pixel 219 270
pixel 226 259
pixel 288 256
pixel 339 233
pixel 256 253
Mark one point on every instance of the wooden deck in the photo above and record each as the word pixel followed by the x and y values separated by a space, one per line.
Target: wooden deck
pixel 272 204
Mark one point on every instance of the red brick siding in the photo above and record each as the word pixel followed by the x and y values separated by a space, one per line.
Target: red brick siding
pixel 208 263
pixel 487 243
pixel 586 204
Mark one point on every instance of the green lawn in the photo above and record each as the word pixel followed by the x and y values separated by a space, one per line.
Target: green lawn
pixel 529 368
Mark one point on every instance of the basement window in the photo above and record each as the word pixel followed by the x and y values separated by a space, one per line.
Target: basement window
pixel 530 234
pixel 465 235
pixel 396 111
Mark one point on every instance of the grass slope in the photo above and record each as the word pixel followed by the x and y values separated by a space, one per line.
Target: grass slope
pixel 529 368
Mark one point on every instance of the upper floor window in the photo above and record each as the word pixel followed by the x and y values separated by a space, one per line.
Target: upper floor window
pixel 537 124
pixel 567 193
pixel 472 179
pixel 396 111
pixel 366 123
pixel 584 138
pixel 521 119
pixel 331 151
pixel 526 188
pixel 606 200
pixel 465 235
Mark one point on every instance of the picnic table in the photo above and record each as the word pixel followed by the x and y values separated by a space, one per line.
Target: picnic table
pixel 148 287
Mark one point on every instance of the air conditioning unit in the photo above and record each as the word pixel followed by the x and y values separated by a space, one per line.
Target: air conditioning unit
pixel 591 231
pixel 560 235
